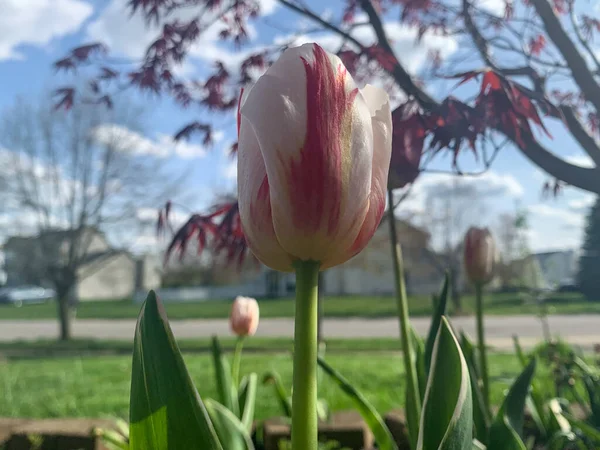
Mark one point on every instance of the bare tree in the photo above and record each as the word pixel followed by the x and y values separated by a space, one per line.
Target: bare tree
pixel 447 214
pixel 71 177
pixel 511 235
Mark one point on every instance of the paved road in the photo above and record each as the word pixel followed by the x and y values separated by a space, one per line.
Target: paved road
pixel 581 330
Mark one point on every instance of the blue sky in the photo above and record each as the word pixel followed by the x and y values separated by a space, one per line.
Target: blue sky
pixel 36 35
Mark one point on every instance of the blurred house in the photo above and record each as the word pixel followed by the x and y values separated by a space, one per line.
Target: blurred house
pixel 104 273
pixel 545 270
pixel 371 272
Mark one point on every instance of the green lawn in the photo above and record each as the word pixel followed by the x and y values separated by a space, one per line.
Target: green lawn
pixel 96 386
pixel 505 304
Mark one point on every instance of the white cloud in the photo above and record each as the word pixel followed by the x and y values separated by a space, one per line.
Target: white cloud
pixel 582 204
pixel 230 170
pixel 412 54
pixel 130 35
pixel 580 160
pixel 495 7
pixel 133 142
pixel 37 22
pixel 568 218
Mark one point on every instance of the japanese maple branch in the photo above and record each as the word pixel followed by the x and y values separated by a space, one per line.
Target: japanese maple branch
pixel 569 51
pixel 400 75
pixel 311 15
pixel 582 40
pixel 587 142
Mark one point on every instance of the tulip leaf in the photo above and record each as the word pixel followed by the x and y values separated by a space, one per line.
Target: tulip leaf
pixel 436 319
pixel 481 415
pixel 280 392
pixel 374 421
pixel 225 388
pixel 247 399
pixel 447 417
pixel 166 411
pixel 507 428
pixel 418 351
pixel 232 433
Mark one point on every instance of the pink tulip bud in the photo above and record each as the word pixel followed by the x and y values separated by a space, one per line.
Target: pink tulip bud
pixel 480 255
pixel 314 154
pixel 244 316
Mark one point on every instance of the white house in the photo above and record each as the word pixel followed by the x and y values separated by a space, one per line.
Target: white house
pixel 104 273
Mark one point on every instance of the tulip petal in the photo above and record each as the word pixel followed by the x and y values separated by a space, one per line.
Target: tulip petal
pixel 379 107
pixel 315 134
pixel 255 203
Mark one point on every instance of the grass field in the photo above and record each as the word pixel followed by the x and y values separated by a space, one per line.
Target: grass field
pixel 98 385
pixel 499 304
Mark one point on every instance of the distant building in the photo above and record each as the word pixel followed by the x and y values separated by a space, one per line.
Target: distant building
pixel 104 273
pixel 371 271
pixel 558 267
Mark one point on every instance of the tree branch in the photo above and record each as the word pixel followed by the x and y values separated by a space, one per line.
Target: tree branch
pixel 581 177
pixel 400 75
pixel 585 139
pixel 569 51
pixel 307 13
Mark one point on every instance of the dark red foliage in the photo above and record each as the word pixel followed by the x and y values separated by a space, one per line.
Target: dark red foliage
pixel 65 96
pixel 505 105
pixel 221 229
pixel 350 58
pixel 106 100
pixel 593 122
pixel 85 51
pixel 196 127
pixel 382 56
pixel 349 11
pixel 537 44
pixel 589 25
pixel 410 126
pixel 107 73
pixel 65 64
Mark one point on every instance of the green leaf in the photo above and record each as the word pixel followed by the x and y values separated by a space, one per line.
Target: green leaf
pixel 535 401
pixel 436 319
pixel 478 445
pixel 481 415
pixel 280 392
pixel 418 351
pixel 447 417
pixel 165 412
pixel 232 433
pixel 506 431
pixel 247 399
pixel 374 421
pixel 225 388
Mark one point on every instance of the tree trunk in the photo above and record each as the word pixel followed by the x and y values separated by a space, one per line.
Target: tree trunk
pixel 64 316
pixel 454 292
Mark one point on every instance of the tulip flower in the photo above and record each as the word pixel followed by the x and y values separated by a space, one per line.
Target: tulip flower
pixel 480 256
pixel 244 322
pixel 244 316
pixel 313 160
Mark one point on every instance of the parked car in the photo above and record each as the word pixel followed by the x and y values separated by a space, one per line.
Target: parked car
pixel 21 295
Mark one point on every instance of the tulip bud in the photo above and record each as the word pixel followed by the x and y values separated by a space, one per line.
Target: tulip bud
pixel 313 161
pixel 480 255
pixel 244 316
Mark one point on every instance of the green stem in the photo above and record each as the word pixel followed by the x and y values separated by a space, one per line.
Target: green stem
pixel 413 403
pixel 237 357
pixel 481 344
pixel 304 396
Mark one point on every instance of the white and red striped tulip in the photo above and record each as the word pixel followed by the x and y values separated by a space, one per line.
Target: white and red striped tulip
pixel 480 255
pixel 313 160
pixel 244 316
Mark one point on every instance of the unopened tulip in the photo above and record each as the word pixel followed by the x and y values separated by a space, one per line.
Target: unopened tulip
pixel 313 160
pixel 480 255
pixel 244 316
